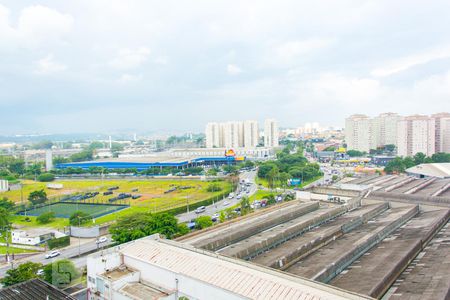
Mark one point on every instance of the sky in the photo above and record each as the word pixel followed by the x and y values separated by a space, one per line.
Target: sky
pixel 108 65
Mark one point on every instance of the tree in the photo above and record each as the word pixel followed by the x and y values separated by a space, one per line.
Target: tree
pixel 214 187
pixel 183 229
pixel 61 273
pixel 222 217
pixel 272 175
pixel 355 153
pixel 79 218
pixel 7 204
pixel 5 216
pixel 245 205
pixel 440 157
pixel 138 225
pixel 37 197
pixel 46 177
pixel 46 218
pixel 23 272
pixel 419 158
pixel 203 222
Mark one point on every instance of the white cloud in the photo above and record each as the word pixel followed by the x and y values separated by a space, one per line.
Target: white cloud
pixel 233 69
pixel 127 78
pixel 408 62
pixel 162 60
pixel 130 58
pixel 36 25
pixel 47 66
pixel 287 52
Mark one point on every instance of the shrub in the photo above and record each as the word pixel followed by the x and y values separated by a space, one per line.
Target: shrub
pixel 46 177
pixel 79 218
pixel 37 197
pixel 203 222
pixel 59 242
pixel 46 217
pixel 214 187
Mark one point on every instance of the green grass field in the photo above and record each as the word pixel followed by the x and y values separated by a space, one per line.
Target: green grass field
pixel 14 250
pixel 154 198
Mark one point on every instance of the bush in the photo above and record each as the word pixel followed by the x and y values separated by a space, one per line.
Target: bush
pixel 79 218
pixel 203 222
pixel 214 187
pixel 46 177
pixel 46 217
pixel 59 242
pixel 37 197
pixel 61 273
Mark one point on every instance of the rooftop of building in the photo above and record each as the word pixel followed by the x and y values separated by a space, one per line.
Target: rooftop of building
pixel 439 170
pixel 34 289
pixel 236 276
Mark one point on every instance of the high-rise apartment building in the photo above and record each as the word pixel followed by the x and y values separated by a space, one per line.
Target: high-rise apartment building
pixel 416 134
pixel 357 132
pixel 232 134
pixel 251 134
pixel 364 133
pixel 271 133
pixel 442 132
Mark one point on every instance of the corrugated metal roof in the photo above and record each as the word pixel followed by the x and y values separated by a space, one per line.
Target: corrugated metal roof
pixel 241 278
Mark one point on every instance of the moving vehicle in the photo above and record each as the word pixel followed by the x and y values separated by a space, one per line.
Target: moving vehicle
pixel 40 272
pixel 200 209
pixel 102 240
pixel 226 203
pixel 215 217
pixel 231 196
pixel 52 254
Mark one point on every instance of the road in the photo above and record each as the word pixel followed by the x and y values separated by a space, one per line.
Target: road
pixel 73 251
pixel 69 252
pixel 224 203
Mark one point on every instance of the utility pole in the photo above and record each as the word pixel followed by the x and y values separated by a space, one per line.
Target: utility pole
pixel 79 238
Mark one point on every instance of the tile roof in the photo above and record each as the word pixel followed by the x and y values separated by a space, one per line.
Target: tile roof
pixel 34 289
pixel 241 278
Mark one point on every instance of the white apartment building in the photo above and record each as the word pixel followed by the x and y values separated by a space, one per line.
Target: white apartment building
pixel 232 134
pixel 357 132
pixel 387 123
pixel 364 133
pixel 416 134
pixel 442 132
pixel 251 134
pixel 271 133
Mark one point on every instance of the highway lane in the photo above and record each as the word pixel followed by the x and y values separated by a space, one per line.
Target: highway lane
pixel 69 252
pixel 83 249
pixel 226 202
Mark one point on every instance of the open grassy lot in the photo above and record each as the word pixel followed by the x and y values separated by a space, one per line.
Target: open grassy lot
pixel 265 183
pixel 156 196
pixel 14 250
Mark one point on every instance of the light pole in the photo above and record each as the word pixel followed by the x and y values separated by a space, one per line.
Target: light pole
pixel 79 238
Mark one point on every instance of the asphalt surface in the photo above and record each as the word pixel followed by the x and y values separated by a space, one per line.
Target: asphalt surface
pixel 77 254
pixel 224 203
pixel 70 252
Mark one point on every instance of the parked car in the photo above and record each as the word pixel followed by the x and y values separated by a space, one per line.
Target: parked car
pixel 40 272
pixel 200 209
pixel 215 217
pixel 103 239
pixel 52 254
pixel 226 203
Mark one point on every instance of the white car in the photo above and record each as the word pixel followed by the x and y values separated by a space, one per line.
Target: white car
pixel 40 272
pixel 226 203
pixel 103 239
pixel 52 254
pixel 200 209
pixel 238 197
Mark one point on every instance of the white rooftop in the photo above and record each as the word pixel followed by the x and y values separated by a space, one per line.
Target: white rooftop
pixel 239 277
pixel 439 170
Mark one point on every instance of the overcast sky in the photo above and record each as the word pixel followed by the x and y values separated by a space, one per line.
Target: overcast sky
pixel 105 65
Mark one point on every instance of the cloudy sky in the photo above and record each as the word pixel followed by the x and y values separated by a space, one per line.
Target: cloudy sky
pixel 105 65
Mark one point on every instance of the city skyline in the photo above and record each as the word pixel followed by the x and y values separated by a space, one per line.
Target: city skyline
pixel 64 70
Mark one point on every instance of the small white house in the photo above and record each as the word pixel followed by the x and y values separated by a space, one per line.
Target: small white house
pixel 33 237
pixel 4 185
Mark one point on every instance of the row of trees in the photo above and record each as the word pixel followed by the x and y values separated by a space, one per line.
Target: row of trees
pixel 400 164
pixel 59 273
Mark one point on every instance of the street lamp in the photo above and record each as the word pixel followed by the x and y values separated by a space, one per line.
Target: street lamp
pixel 79 238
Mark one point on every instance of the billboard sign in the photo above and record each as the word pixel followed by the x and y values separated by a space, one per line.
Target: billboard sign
pixel 294 181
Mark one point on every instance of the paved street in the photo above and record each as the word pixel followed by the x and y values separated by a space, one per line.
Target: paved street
pixel 223 203
pixel 70 252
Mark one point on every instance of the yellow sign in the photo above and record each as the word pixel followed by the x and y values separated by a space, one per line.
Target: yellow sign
pixel 230 152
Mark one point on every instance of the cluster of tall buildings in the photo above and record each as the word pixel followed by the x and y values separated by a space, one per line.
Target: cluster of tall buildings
pixel 241 134
pixel 410 135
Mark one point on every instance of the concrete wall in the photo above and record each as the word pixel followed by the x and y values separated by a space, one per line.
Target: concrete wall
pixel 335 191
pixel 415 199
pixel 84 232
